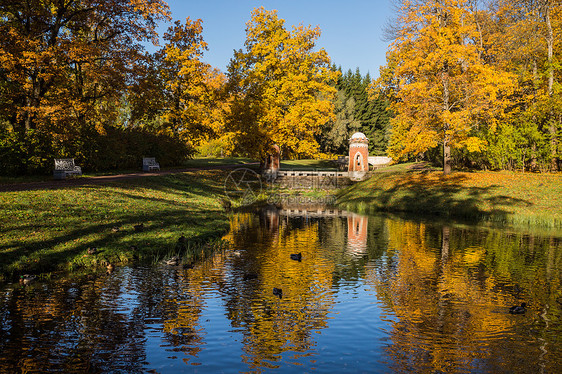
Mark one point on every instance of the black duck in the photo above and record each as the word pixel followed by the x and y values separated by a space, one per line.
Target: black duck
pixel 518 309
pixel 296 257
pixel 278 292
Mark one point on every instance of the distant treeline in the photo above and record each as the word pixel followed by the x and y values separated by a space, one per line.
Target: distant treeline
pixel 463 86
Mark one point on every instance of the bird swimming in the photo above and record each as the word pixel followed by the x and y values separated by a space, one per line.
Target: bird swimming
pixel 518 309
pixel 296 257
pixel 110 267
pixel 27 279
pixel 278 292
pixel 173 261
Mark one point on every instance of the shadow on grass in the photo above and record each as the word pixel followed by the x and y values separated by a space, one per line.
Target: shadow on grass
pixel 423 194
pixel 61 241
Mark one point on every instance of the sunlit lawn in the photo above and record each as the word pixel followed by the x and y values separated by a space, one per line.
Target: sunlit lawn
pixel 512 197
pixel 49 229
pixel 308 165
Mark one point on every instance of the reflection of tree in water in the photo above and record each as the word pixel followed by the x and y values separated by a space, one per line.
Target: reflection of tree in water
pixel 101 324
pixel 272 326
pixel 450 300
pixel 446 292
pixel 182 308
pixel 68 327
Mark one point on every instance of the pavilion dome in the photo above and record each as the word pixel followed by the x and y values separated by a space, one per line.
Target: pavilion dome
pixel 358 136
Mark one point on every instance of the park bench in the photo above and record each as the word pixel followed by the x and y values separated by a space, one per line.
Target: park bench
pixel 65 167
pixel 150 164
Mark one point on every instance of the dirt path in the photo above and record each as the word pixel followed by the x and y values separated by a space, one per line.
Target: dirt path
pixel 82 181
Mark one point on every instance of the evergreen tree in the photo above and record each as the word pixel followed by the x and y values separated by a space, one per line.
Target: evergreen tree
pixel 335 134
pixel 370 112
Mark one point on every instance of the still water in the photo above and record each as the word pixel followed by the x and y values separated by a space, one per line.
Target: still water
pixel 370 294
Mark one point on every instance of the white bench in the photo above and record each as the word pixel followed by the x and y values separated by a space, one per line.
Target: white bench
pixel 150 164
pixel 65 167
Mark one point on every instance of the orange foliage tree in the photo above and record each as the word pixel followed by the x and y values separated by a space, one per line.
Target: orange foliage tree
pixel 65 62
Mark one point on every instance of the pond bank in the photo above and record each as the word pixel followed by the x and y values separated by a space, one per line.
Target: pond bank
pixel 45 229
pixel 506 197
pixel 294 292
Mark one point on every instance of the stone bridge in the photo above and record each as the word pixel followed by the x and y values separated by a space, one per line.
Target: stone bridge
pixel 311 179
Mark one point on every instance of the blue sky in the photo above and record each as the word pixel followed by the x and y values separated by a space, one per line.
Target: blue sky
pixel 351 29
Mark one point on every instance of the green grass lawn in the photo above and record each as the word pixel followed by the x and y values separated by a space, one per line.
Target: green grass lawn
pixel 51 229
pixel 508 197
pixel 320 165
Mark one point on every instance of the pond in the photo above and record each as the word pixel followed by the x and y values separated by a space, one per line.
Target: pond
pixel 369 294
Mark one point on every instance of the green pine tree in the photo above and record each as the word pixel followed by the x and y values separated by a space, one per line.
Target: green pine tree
pixel 356 111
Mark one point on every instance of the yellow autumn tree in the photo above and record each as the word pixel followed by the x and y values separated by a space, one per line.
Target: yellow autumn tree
pixel 191 86
pixel 527 41
pixel 177 93
pixel 280 88
pixel 442 88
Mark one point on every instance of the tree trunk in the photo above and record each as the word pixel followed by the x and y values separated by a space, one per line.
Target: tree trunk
pixel 446 157
pixel 550 47
pixel 533 163
pixel 446 144
pixel 552 126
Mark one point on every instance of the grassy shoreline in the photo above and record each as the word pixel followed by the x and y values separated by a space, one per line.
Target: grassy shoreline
pixel 506 197
pixel 51 229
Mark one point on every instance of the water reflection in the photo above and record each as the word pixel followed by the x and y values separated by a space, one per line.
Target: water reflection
pixel 451 300
pixel 369 292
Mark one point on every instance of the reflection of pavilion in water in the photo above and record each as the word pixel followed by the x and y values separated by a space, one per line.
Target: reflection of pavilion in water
pixel 356 224
pixel 357 234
